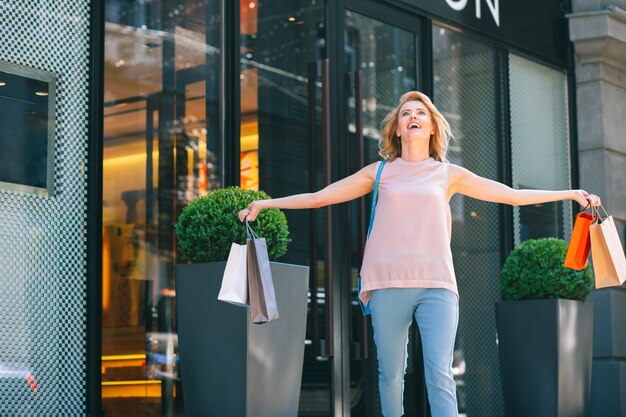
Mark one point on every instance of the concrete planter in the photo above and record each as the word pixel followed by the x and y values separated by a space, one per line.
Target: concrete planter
pixel 545 357
pixel 229 366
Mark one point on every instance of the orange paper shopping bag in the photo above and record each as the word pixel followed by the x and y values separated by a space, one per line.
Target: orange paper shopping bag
pixel 579 244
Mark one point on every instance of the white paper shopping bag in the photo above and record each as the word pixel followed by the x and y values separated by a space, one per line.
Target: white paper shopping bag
pixel 234 283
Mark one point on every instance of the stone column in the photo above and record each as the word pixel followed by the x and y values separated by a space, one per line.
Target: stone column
pixel 598 31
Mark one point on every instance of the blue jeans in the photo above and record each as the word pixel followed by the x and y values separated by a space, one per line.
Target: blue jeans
pixel 436 312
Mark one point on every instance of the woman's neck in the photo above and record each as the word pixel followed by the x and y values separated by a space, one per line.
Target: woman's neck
pixel 413 152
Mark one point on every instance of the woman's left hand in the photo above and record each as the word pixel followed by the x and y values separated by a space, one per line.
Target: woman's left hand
pixel 584 198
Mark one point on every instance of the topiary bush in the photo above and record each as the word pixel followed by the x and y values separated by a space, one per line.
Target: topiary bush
pixel 208 226
pixel 534 270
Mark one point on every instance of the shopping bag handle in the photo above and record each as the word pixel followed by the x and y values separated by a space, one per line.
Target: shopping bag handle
pixel 249 232
pixel 587 207
pixel 597 211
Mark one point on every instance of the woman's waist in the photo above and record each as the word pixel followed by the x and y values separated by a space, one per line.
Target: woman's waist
pixel 412 250
pixel 407 267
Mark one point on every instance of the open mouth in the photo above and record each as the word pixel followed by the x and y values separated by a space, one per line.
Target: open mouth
pixel 414 126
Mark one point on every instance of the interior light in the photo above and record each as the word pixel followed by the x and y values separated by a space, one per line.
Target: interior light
pixel 292 19
pixel 252 5
pixel 42 93
pixel 2 83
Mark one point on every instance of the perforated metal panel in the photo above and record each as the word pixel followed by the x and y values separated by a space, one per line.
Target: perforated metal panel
pixel 539 146
pixel 465 91
pixel 43 239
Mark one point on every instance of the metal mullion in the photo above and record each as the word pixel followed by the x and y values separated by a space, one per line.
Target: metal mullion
pixel 230 97
pixel 314 319
pixel 356 81
pixel 572 117
pixel 341 359
pixel 329 287
pixel 93 221
pixel 425 53
pixel 505 167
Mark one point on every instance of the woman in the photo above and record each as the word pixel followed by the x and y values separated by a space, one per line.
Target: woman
pixel 407 266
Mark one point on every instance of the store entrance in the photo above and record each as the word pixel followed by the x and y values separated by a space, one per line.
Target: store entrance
pixel 316 81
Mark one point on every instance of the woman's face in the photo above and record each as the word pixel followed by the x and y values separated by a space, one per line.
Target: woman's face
pixel 414 121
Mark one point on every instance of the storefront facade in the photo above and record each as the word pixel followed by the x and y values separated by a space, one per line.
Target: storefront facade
pixel 301 62
pixel 176 98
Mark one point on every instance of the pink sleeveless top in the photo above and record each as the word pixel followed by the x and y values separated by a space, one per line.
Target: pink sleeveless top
pixel 409 245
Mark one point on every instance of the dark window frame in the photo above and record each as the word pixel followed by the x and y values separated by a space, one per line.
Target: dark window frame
pixel 95 134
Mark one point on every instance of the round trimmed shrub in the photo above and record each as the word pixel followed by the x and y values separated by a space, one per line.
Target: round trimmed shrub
pixel 534 270
pixel 209 225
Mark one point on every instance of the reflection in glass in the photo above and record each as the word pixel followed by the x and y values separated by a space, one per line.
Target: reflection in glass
pixel 160 152
pixel 386 57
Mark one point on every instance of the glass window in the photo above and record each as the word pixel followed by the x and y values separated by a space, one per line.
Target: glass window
pixel 539 146
pixel 27 99
pixel 161 150
pixel 466 91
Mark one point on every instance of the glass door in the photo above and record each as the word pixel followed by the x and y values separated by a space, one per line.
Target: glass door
pixel 381 61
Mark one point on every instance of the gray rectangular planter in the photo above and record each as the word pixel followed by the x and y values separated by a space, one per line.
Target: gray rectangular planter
pixel 545 357
pixel 233 368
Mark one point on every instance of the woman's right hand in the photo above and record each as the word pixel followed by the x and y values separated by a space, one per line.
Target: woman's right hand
pixel 251 211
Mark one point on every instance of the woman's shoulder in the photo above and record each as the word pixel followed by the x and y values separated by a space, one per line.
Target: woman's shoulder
pixel 456 167
pixel 371 170
pixel 457 172
pixel 375 166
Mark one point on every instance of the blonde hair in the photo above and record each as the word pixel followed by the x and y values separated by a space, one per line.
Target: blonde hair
pixel 390 145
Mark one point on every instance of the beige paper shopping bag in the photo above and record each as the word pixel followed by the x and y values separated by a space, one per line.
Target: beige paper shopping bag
pixel 607 253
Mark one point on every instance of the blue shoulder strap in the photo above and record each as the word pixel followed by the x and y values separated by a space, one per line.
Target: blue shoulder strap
pixel 366 308
pixel 375 196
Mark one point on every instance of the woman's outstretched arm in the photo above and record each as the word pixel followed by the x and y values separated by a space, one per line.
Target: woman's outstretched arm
pixel 349 188
pixel 467 183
